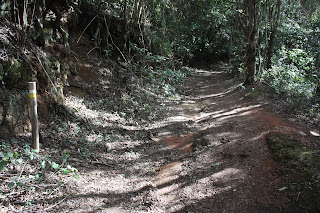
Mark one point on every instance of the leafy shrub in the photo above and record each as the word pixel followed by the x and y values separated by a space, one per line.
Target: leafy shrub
pixel 294 73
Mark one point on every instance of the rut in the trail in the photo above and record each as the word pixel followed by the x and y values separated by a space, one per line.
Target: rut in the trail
pixel 208 155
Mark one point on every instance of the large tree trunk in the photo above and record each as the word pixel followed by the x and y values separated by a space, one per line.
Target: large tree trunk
pixel 252 8
pixel 270 50
pixel 251 59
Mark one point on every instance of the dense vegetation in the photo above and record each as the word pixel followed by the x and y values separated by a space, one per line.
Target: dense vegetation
pixel 276 41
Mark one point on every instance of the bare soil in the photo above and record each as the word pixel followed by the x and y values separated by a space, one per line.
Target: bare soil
pixel 207 153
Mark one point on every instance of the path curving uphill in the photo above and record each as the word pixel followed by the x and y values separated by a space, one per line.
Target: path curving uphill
pixel 209 154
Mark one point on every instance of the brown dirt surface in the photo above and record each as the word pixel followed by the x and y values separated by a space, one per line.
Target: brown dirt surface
pixel 208 154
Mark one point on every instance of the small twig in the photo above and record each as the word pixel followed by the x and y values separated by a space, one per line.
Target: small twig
pixel 47 74
pixel 298 196
pixel 92 50
pixel 50 207
pixel 24 165
pixel 13 193
pixel 105 21
pixel 265 83
pixel 6 175
pixel 55 173
pixel 12 208
pixel 56 189
pixel 43 185
pixel 33 12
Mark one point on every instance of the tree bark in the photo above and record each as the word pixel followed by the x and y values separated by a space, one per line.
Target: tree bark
pixel 252 8
pixel 270 50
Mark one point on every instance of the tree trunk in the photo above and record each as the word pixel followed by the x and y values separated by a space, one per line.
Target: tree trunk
pixel 252 8
pixel 270 50
pixel 251 59
pixel 125 28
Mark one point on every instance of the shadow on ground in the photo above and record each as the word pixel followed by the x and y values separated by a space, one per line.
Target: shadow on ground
pixel 164 166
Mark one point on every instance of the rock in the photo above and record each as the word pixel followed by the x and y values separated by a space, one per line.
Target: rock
pixel 13 113
pixel 200 142
pixel 224 140
pixel 228 155
pixel 14 73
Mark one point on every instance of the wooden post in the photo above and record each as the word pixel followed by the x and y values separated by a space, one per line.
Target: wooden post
pixel 34 115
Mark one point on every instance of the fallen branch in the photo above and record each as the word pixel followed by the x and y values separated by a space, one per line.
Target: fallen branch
pixel 43 185
pixel 87 27
pixel 92 162
pixel 50 207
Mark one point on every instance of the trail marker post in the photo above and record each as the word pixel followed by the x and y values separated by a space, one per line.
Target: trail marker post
pixel 34 115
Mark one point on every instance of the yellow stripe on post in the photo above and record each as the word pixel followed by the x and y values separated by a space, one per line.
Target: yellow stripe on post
pixel 32 95
pixel 32 91
pixel 34 115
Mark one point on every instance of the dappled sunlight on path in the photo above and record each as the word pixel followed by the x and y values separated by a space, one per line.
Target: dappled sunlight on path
pixel 208 154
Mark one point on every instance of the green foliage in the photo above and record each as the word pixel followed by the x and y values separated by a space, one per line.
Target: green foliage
pixel 25 168
pixel 294 66
pixel 13 72
pixel 157 69
pixel 294 73
pixel 188 27
pixel 161 45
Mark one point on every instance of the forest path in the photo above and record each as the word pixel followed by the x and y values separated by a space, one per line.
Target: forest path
pixel 208 155
pixel 225 165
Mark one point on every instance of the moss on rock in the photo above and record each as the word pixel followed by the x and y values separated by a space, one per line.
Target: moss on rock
pixel 291 152
pixel 300 164
pixel 14 68
pixel 15 73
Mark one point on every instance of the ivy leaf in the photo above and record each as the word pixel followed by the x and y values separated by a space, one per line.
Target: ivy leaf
pixel 215 164
pixel 3 163
pixel 282 189
pixel 43 164
pixel 65 171
pixel 20 161
pixel 21 184
pixel 10 154
pixel 55 165
pixel 11 184
pixel 76 176
pixel 32 188
pixel 31 156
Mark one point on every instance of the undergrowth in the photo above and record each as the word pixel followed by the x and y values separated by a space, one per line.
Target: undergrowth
pixel 140 83
pixel 294 74
pixel 29 176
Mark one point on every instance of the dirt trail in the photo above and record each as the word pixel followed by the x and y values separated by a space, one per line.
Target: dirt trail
pixel 209 155
pixel 234 172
